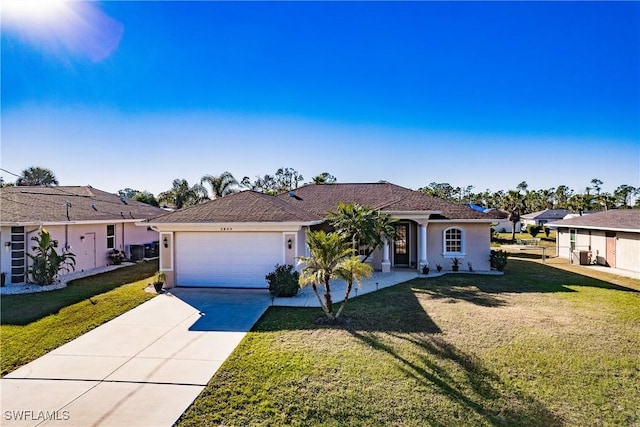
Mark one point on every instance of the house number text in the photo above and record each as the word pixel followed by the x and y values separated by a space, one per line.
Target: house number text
pixel 226 229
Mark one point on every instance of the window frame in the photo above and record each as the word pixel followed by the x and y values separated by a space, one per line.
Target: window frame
pixel 453 254
pixel 111 237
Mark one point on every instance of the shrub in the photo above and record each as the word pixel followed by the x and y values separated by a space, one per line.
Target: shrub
pixel 47 262
pixel 283 281
pixel 498 260
pixel 547 231
pixel 534 229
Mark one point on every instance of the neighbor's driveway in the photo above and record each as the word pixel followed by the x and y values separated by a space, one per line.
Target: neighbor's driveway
pixel 143 368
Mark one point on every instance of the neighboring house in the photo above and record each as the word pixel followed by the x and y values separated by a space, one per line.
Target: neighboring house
pixel 236 240
pixel 85 221
pixel 501 223
pixel 611 238
pixel 543 217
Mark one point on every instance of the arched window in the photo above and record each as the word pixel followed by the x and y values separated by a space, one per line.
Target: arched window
pixel 453 242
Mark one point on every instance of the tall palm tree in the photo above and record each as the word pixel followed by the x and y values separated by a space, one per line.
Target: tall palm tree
pixel 181 194
pixel 221 185
pixel 327 252
pixel 351 270
pixel 37 176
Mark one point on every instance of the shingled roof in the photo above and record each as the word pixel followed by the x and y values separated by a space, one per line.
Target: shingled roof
pixel 383 196
pixel 243 207
pixel 36 205
pixel 614 220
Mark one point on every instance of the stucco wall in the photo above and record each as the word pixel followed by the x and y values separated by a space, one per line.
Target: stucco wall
pixel 87 241
pixel 628 251
pixel 477 240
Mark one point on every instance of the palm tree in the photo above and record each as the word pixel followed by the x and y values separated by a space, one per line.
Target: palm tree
pixel 362 225
pixel 327 252
pixel 37 176
pixel 351 270
pixel 221 185
pixel 181 194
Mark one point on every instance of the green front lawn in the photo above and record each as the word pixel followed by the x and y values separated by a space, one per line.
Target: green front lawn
pixel 33 324
pixel 538 346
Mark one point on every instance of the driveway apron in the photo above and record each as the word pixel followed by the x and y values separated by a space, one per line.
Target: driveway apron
pixel 143 368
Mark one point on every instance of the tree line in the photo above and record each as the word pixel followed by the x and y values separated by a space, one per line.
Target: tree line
pixel 527 200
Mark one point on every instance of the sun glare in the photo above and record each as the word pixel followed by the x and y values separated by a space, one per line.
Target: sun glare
pixel 67 29
pixel 34 11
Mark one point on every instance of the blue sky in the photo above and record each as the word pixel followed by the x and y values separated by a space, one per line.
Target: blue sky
pixel 135 94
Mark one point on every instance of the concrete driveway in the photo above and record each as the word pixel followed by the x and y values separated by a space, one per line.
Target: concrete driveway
pixel 143 368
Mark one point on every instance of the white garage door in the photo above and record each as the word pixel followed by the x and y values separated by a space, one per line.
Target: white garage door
pixel 230 260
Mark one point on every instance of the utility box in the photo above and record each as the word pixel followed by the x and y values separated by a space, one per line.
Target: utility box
pixel 581 257
pixel 137 252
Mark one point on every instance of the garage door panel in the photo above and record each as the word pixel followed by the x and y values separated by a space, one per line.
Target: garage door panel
pixel 226 259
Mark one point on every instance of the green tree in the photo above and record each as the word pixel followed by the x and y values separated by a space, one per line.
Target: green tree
pixel 145 197
pixel 37 176
pixel 362 225
pixel 181 194
pixel 623 195
pixel 221 185
pixel 324 178
pixel 351 270
pixel 47 263
pixel 327 252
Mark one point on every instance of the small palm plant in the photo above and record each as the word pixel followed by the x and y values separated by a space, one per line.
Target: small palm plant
pixel 351 270
pixel 327 252
pixel 47 263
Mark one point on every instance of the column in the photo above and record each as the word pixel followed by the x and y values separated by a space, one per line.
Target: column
pixel 386 264
pixel 422 244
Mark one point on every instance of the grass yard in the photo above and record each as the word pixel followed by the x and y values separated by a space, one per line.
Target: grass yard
pixel 33 324
pixel 540 345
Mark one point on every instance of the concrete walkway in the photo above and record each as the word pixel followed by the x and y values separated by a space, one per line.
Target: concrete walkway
pixel 143 368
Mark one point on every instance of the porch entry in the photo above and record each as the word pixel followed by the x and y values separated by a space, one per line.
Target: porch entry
pixel 401 245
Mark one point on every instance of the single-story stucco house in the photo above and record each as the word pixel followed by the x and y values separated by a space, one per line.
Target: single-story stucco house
pixel 610 238
pixel 543 217
pixel 85 221
pixel 236 240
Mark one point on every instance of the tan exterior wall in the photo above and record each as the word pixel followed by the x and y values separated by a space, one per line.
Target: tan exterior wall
pixel 476 246
pixel 627 247
pixel 628 251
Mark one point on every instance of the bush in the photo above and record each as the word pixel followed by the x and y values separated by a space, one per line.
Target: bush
pixel 547 231
pixel 498 260
pixel 283 281
pixel 534 229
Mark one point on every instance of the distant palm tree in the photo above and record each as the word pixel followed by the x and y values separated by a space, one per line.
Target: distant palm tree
pixel 221 185
pixel 181 194
pixel 327 252
pixel 37 176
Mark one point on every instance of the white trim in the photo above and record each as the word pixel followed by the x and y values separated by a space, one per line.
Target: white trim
pixel 592 227
pixel 463 243
pixel 170 248
pixel 87 222
pixel 228 226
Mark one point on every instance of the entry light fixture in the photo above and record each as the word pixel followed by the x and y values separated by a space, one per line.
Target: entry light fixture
pixel 289 243
pixel 82 238
pixel 7 245
pixel 165 242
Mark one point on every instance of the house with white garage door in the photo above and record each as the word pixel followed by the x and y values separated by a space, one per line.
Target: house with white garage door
pixel 236 240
